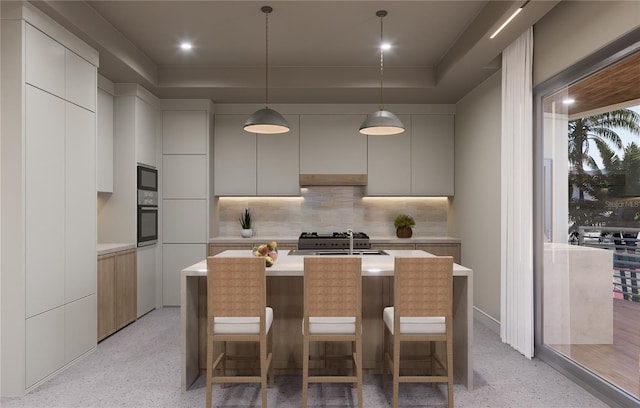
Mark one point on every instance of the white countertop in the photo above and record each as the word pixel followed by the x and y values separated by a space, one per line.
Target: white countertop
pixel 104 249
pixel 292 265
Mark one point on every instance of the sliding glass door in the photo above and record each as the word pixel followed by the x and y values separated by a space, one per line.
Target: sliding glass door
pixel 588 257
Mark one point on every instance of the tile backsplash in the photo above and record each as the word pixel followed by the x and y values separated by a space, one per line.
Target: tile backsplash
pixel 327 209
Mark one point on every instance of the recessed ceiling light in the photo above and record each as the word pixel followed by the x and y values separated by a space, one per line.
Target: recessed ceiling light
pixel 568 101
pixel 186 46
pixel 385 46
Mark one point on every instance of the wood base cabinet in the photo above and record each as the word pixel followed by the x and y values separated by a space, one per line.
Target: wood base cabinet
pixel 117 291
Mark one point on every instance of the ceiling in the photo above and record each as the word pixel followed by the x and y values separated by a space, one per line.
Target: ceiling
pixel 319 51
pixel 610 88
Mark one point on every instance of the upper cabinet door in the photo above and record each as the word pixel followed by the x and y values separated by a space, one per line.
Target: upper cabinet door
pixel 146 122
pixel 184 132
pixel 45 60
pixel 80 81
pixel 234 157
pixel 432 155
pixel 279 162
pixel 389 163
pixel 332 144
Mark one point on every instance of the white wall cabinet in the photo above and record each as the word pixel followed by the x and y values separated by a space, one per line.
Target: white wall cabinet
pixel 80 81
pixel 331 144
pixel 389 163
pixel 104 117
pixel 432 155
pixel 234 157
pixel 246 164
pixel 278 162
pixel 146 124
pixel 418 162
pixel 45 62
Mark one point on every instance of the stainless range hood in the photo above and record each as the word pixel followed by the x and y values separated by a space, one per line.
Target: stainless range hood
pixel 333 180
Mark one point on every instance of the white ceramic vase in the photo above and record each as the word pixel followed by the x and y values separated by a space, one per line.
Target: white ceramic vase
pixel 246 233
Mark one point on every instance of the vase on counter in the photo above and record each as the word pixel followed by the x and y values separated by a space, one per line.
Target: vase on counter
pixel 246 233
pixel 404 232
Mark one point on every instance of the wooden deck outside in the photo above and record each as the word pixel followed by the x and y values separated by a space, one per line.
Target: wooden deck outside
pixel 618 363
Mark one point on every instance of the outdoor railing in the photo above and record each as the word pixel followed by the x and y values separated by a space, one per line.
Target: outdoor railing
pixel 626 258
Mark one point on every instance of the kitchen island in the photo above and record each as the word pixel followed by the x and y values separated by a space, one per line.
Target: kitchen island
pixel 284 295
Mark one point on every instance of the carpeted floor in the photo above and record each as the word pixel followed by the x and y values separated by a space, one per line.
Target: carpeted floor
pixel 140 367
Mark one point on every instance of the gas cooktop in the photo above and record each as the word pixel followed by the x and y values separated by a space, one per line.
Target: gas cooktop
pixel 332 240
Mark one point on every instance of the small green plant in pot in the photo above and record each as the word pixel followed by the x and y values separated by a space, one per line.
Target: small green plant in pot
pixel 404 224
pixel 246 223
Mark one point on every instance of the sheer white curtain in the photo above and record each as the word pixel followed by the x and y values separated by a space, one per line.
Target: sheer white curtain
pixel 516 328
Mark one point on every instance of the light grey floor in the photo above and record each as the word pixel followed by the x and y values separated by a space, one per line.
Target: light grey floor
pixel 140 367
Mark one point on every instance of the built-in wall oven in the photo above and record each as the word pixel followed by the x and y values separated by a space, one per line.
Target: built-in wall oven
pixel 147 205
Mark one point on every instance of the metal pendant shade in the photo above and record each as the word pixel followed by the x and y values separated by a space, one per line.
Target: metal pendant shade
pixel 266 121
pixel 381 122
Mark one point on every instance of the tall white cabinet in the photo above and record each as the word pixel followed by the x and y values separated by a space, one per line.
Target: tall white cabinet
pixel 136 135
pixel 48 198
pixel 186 129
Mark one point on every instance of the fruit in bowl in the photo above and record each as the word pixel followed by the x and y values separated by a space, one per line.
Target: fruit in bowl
pixel 268 251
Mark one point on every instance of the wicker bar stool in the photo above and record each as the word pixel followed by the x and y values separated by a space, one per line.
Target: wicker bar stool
pixel 237 312
pixel 423 312
pixel 332 312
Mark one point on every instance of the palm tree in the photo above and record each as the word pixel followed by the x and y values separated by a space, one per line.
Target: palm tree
pixel 597 130
pixel 585 177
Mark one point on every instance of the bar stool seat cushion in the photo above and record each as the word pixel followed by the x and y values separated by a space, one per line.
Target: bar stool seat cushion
pixel 241 325
pixel 331 325
pixel 415 325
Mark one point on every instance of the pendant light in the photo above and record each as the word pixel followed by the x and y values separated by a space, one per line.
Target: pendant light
pixel 381 122
pixel 266 121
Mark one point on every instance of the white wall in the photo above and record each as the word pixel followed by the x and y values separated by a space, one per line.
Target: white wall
pixel 573 30
pixel 475 209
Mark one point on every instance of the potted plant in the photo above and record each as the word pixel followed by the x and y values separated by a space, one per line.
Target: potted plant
pixel 246 223
pixel 403 224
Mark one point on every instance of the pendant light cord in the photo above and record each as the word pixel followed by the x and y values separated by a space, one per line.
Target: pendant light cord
pixel 381 60
pixel 266 60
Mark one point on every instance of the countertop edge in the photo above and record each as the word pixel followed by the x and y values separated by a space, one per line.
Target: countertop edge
pixel 292 265
pixel 104 249
pixel 373 239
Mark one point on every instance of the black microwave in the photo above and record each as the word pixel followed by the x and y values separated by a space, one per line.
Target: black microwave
pixel 147 178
